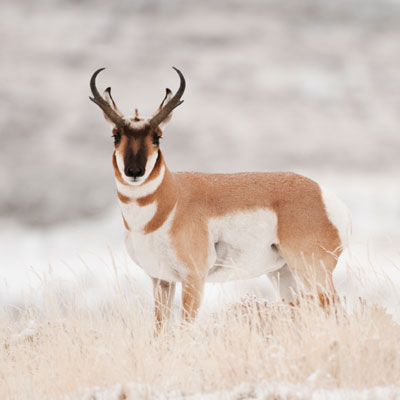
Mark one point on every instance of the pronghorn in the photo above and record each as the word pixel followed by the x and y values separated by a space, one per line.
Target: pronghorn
pixel 197 227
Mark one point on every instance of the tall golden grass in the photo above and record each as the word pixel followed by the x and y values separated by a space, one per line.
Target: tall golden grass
pixel 62 346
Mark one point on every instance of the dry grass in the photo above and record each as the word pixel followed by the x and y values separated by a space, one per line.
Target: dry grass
pixel 63 346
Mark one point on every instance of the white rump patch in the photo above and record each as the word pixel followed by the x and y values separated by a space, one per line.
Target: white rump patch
pixel 338 214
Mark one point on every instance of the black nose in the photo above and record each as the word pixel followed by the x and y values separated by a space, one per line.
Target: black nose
pixel 134 172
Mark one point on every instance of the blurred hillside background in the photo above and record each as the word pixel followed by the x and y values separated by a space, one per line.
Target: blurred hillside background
pixel 309 86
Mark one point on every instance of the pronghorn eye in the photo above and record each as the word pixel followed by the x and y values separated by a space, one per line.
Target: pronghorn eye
pixel 117 137
pixel 156 139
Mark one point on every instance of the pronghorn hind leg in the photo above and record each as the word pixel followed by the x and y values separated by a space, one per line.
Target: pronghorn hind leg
pixel 314 272
pixel 164 293
pixel 284 283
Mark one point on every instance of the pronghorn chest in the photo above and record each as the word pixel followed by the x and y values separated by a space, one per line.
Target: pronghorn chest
pixel 153 251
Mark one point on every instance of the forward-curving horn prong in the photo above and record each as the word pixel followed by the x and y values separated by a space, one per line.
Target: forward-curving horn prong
pixel 103 104
pixel 174 102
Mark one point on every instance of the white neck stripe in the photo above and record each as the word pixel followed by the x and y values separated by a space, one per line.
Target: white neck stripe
pixel 143 190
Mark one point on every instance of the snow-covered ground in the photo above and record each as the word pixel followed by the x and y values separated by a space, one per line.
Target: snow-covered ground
pixel 261 391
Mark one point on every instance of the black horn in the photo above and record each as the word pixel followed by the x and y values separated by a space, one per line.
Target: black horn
pixel 174 102
pixel 99 100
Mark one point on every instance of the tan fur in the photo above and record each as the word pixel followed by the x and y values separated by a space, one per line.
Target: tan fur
pixel 123 198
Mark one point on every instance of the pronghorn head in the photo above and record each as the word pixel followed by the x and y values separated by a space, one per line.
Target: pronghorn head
pixel 136 138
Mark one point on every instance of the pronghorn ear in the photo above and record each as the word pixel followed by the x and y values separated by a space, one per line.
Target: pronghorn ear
pixel 167 98
pixel 108 98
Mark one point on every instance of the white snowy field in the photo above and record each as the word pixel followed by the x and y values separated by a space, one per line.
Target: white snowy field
pixel 259 391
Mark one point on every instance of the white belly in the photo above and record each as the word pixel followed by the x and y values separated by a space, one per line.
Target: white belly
pixel 243 245
pixel 239 248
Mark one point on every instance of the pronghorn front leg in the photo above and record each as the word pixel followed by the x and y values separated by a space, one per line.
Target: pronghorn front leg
pixel 192 291
pixel 164 293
